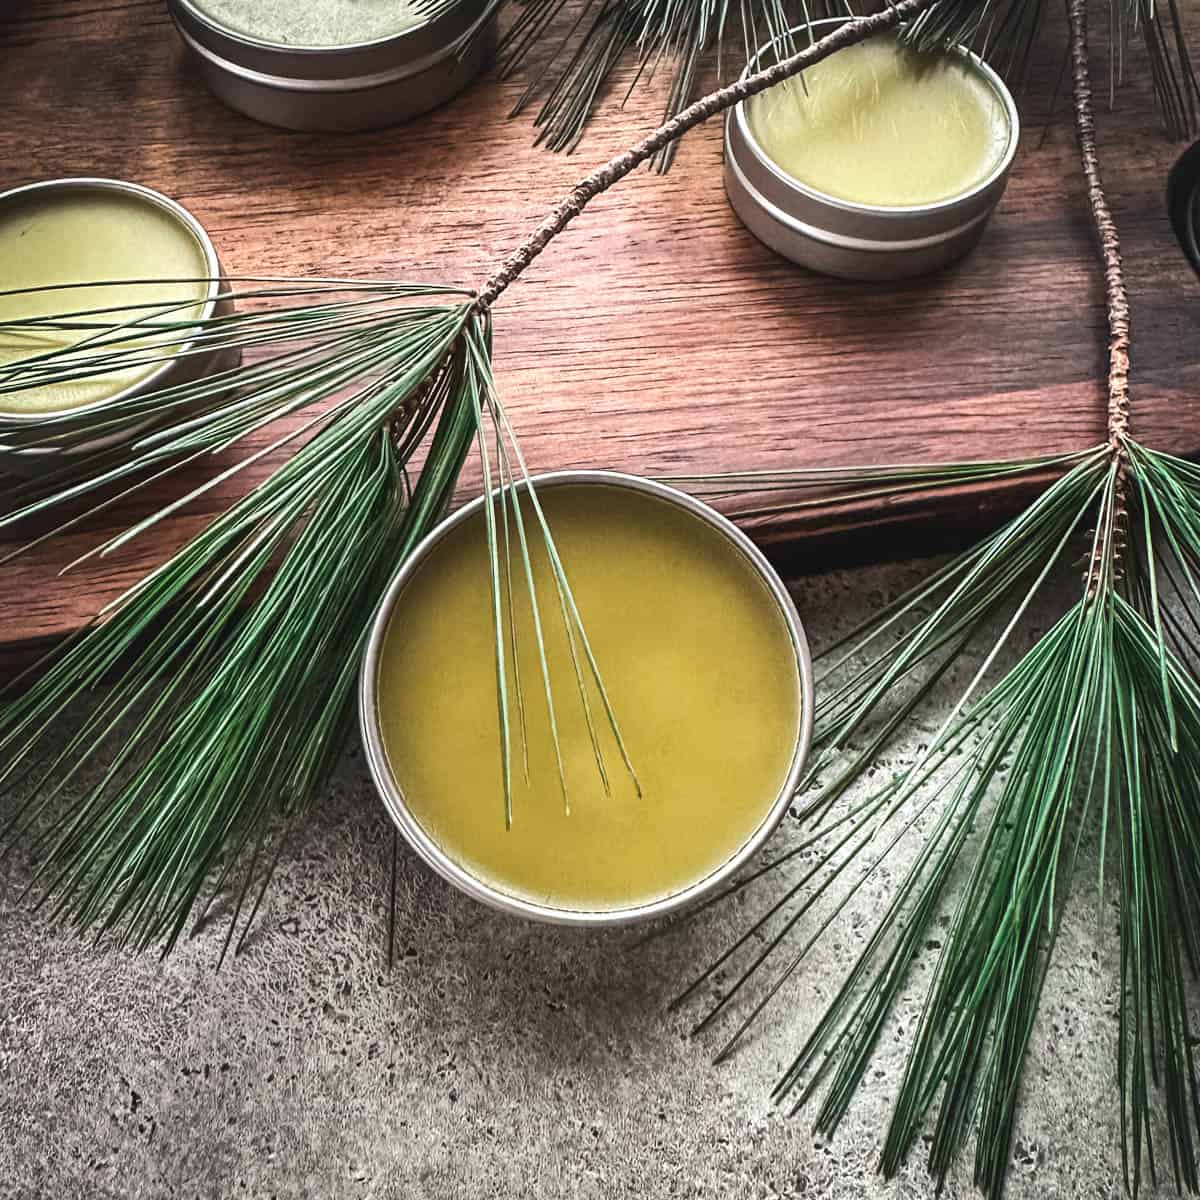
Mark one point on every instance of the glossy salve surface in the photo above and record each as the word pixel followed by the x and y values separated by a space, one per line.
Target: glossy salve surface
pixel 699 665
pixel 877 124
pixel 82 234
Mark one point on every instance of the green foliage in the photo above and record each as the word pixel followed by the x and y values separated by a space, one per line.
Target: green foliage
pixel 1094 730
pixel 228 675
pixel 233 665
pixel 572 55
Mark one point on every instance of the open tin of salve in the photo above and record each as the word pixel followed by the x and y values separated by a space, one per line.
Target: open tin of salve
pixel 335 65
pixel 703 660
pixel 879 162
pixel 128 254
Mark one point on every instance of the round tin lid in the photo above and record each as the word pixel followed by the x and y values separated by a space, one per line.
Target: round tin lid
pixel 36 441
pixel 470 883
pixel 835 219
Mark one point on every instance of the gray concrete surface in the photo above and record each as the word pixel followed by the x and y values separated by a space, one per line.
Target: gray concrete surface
pixel 498 1059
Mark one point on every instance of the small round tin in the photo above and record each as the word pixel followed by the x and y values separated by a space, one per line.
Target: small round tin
pixel 366 85
pixel 480 889
pixel 25 456
pixel 851 240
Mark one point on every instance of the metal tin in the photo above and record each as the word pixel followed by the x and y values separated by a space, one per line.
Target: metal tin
pixel 485 892
pixel 857 241
pixel 339 88
pixel 182 367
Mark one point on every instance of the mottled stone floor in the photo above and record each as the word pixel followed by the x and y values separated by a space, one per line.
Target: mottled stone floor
pixel 498 1059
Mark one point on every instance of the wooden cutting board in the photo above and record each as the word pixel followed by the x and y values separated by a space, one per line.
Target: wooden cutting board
pixel 656 335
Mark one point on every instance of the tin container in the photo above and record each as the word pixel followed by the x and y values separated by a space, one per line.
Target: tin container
pixel 183 367
pixel 481 889
pixel 367 85
pixel 857 241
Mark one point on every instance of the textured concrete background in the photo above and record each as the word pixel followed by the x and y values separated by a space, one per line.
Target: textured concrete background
pixel 498 1059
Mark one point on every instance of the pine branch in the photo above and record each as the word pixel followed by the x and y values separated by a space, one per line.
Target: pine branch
pixel 1094 724
pixel 239 693
pixel 1116 295
pixel 600 35
pixel 587 189
pixel 239 690
pixel 578 51
pixel 224 757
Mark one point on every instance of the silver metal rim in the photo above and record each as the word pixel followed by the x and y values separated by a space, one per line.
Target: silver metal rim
pixel 841 240
pixel 900 212
pixel 457 875
pixel 294 83
pixel 184 217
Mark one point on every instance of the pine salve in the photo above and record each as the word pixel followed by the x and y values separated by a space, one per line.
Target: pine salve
pixel 336 65
pixel 81 234
pixel 699 663
pixel 878 124
pixel 313 22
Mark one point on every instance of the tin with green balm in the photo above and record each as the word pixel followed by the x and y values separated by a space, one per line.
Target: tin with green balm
pixel 702 658
pixel 81 260
pixel 335 65
pixel 879 162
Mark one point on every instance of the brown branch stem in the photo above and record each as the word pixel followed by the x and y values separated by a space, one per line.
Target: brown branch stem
pixel 850 33
pixel 1116 297
pixel 856 30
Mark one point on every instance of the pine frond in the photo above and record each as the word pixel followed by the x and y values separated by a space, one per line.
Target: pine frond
pixel 751 494
pixel 1005 33
pixel 235 661
pixel 1094 728
pixel 571 55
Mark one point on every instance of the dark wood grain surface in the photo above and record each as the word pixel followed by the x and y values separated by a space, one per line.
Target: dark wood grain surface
pixel 656 335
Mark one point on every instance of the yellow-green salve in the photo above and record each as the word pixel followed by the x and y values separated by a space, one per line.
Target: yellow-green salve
pixel 698 663
pixel 881 125
pixel 316 23
pixel 81 236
